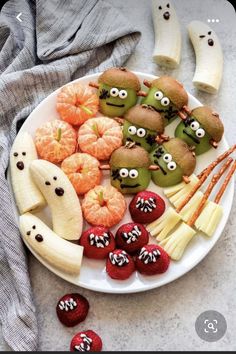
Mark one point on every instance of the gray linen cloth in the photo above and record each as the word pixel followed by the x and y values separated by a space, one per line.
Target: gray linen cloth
pixel 56 42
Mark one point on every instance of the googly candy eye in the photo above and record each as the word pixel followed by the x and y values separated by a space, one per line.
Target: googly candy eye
pixel 171 166
pixel 132 130
pixel 124 172
pixel 123 94
pixel 194 126
pixel 158 95
pixel 200 133
pixel 141 132
pixel 165 101
pixel 167 158
pixel 114 92
pixel 133 173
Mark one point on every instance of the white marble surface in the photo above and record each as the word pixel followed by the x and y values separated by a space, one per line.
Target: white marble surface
pixel 161 319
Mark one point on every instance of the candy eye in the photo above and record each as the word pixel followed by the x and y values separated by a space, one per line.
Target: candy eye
pixel 133 173
pixel 200 133
pixel 132 130
pixel 165 101
pixel 167 158
pixel 158 95
pixel 124 172
pixel 171 166
pixel 194 125
pixel 123 94
pixel 141 132
pixel 114 92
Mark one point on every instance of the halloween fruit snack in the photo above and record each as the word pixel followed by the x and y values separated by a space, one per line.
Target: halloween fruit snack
pixel 142 125
pixel 72 309
pixel 27 195
pixel 83 171
pixel 167 49
pixel 201 129
pixel 131 237
pixel 64 255
pixel 151 260
pixel 86 341
pixel 167 96
pixel 55 141
pixel 209 57
pixel 99 137
pixel 175 161
pixel 130 169
pixel 118 90
pixel 103 206
pixel 76 103
pixel 98 242
pixel 146 207
pixel 61 198
pixel 120 265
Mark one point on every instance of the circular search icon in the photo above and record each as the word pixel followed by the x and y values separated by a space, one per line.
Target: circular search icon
pixel 211 326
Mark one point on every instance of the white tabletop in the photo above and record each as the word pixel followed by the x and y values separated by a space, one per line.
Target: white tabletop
pixel 161 319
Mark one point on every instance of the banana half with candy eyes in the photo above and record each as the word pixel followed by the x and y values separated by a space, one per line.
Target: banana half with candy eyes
pixel 60 253
pixel 61 197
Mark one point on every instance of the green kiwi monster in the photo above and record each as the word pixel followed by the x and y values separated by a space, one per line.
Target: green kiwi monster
pixel 167 96
pixel 118 90
pixel 142 124
pixel 129 166
pixel 202 129
pixel 175 160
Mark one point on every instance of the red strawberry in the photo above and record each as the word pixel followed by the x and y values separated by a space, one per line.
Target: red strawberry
pixel 120 265
pixel 98 242
pixel 131 237
pixel 72 309
pixel 86 341
pixel 146 207
pixel 152 259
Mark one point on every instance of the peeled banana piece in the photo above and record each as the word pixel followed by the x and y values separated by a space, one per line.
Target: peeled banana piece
pixel 209 57
pixel 27 195
pixel 167 47
pixel 60 253
pixel 61 197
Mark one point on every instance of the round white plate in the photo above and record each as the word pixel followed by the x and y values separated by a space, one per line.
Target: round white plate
pixel 93 275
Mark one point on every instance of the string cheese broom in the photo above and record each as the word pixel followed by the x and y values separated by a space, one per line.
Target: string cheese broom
pixel 161 227
pixel 212 213
pixel 176 243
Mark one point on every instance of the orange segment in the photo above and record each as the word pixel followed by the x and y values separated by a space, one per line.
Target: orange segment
pixel 76 103
pixel 55 141
pixel 83 171
pixel 99 137
pixel 104 205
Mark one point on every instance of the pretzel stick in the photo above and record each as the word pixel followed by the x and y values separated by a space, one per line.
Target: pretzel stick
pixel 203 176
pixel 217 161
pixel 104 167
pixel 225 184
pixel 211 185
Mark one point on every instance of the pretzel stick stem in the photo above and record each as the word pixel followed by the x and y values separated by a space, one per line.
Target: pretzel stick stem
pixel 203 176
pixel 208 191
pixel 225 184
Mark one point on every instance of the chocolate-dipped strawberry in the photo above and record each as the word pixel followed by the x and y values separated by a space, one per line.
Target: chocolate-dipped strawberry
pixel 118 90
pixel 167 96
pixel 130 169
pixel 202 129
pixel 175 161
pixel 142 124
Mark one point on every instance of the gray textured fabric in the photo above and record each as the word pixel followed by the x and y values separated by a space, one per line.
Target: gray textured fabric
pixel 57 41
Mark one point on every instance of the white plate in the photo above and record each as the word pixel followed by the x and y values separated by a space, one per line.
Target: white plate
pixel 93 275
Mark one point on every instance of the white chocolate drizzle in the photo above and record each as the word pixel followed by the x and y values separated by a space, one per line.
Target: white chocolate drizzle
pixel 149 257
pixel 120 259
pixel 147 206
pixel 85 346
pixel 67 305
pixel 99 241
pixel 133 235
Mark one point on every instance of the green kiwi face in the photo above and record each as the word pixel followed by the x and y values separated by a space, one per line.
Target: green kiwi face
pixel 162 104
pixel 141 136
pixel 130 180
pixel 115 101
pixel 169 172
pixel 193 133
